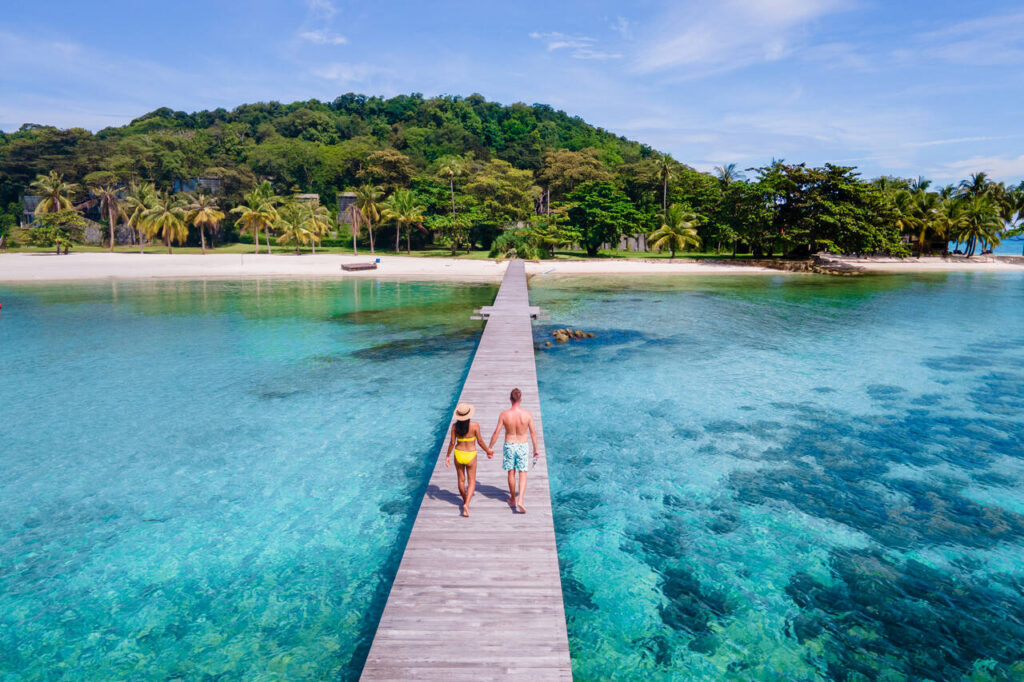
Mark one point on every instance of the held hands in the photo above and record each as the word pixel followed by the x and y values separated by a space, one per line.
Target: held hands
pixel 490 453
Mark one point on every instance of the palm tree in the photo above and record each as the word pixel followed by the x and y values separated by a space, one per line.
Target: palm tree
pixel 203 212
pixel 403 208
pixel 368 199
pixel 293 225
pixel 257 213
pixel 976 185
pixel 54 191
pixel 110 203
pixel 678 230
pixel 167 219
pixel 140 199
pixel 449 168
pixel 665 170
pixel 317 220
pixel 980 223
pixel 728 174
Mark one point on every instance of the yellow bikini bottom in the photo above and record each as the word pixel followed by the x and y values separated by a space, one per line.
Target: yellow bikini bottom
pixel 464 456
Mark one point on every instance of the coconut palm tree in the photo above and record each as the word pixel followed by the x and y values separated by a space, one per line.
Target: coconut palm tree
pixel 678 230
pixel 166 218
pixel 54 191
pixel 368 200
pixel 140 199
pixel 976 185
pixel 980 224
pixel 257 213
pixel 110 203
pixel 403 208
pixel 203 212
pixel 317 220
pixel 728 174
pixel 451 167
pixel 293 225
pixel 665 170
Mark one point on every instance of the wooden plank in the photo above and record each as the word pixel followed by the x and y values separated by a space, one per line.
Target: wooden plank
pixel 481 598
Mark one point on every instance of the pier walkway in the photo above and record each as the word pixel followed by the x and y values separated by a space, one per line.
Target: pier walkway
pixel 480 598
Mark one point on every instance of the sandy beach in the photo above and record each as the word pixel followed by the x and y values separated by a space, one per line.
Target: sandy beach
pixel 28 267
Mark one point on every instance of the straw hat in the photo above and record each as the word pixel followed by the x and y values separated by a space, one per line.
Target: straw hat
pixel 464 411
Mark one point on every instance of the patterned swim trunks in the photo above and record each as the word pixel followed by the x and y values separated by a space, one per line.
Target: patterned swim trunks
pixel 515 456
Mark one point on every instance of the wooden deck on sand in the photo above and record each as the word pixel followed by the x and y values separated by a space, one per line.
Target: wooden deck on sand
pixel 481 598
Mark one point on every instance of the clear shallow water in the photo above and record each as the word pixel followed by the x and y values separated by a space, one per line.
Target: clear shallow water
pixel 192 481
pixel 790 478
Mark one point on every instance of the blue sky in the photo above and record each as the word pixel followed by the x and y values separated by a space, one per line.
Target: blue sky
pixel 896 86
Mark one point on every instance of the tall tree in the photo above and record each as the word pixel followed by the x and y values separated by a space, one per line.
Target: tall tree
pixel 600 212
pixel 450 168
pixel 317 220
pixel 404 209
pixel 728 174
pixel 665 171
pixel 110 203
pixel 292 224
pixel 141 198
pixel 166 218
pixel 54 192
pixel 678 230
pixel 368 200
pixel 257 213
pixel 203 212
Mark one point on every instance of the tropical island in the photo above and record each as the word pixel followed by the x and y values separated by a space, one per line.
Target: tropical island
pixel 456 175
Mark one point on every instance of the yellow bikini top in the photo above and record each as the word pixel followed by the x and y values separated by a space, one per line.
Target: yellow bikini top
pixel 463 440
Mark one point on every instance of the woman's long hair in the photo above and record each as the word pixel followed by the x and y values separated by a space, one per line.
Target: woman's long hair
pixel 461 428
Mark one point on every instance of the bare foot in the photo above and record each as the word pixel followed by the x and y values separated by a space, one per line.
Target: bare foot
pixel 465 510
pixel 521 508
pixel 511 501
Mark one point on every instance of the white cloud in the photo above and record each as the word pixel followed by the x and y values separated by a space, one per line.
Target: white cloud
pixel 323 37
pixel 999 168
pixel 581 47
pixel 322 8
pixel 988 41
pixel 350 73
pixel 708 37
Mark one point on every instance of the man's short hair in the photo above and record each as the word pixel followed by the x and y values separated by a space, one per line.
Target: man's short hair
pixel 516 395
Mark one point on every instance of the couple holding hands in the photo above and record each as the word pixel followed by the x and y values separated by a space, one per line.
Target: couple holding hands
pixel 465 434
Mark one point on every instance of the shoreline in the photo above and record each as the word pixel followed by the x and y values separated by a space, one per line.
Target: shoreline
pixel 49 267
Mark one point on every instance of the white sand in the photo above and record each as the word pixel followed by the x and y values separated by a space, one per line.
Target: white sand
pixel 27 267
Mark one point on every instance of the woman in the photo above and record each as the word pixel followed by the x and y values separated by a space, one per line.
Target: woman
pixel 465 434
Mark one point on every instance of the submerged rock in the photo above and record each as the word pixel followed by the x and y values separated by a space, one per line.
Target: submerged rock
pixel 566 334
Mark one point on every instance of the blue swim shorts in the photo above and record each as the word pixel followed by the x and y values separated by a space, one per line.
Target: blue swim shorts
pixel 515 456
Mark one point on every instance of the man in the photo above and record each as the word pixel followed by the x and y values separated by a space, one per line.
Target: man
pixel 518 423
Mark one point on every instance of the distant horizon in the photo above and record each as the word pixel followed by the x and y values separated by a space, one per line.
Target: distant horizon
pixel 907 89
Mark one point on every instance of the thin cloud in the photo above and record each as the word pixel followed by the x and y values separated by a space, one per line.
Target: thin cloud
pixel 1001 168
pixel 350 73
pixel 708 37
pixel 323 37
pixel 988 41
pixel 581 47
pixel 322 8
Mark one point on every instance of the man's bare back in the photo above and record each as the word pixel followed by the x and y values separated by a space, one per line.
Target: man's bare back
pixel 517 423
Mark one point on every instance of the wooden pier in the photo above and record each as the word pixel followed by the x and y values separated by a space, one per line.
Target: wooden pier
pixel 480 598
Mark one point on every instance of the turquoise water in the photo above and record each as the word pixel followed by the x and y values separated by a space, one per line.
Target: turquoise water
pixel 790 478
pixel 205 479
